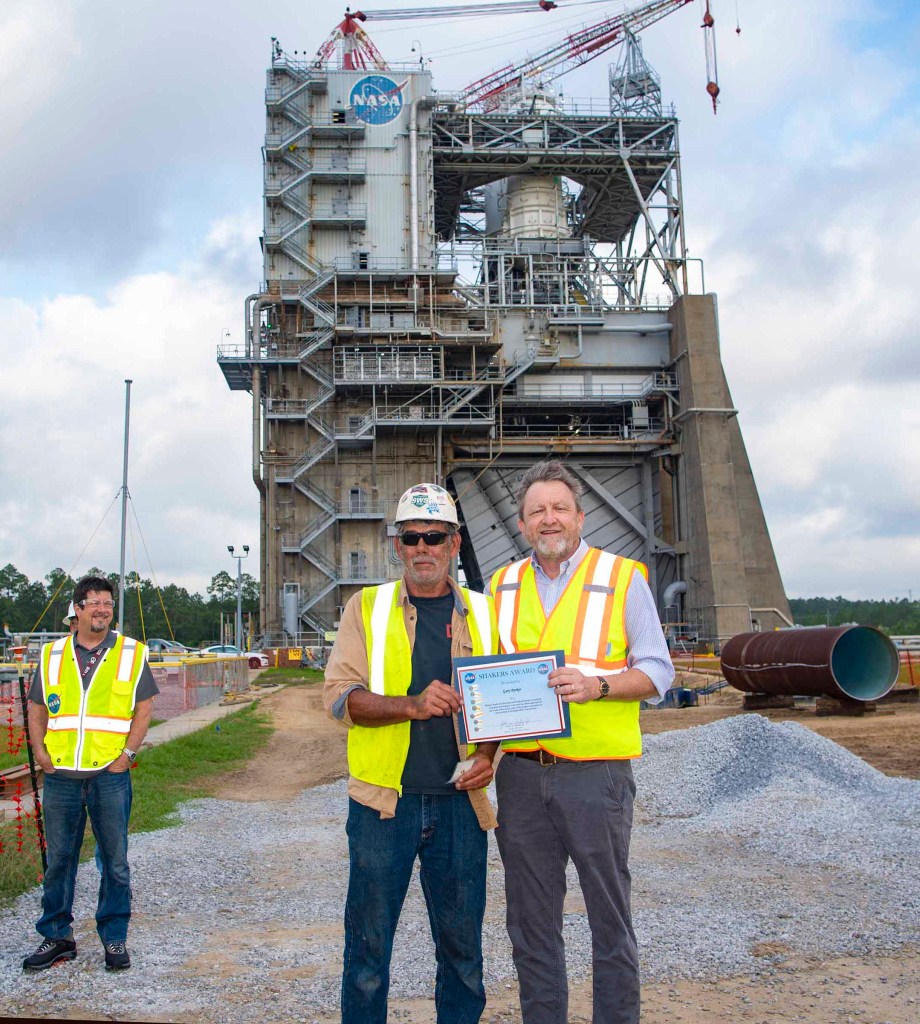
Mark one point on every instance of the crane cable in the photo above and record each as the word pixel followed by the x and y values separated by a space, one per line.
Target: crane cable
pixel 137 589
pixel 153 574
pixel 53 597
pixel 462 10
pixel 712 67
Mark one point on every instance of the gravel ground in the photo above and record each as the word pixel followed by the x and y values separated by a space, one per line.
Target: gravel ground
pixel 752 840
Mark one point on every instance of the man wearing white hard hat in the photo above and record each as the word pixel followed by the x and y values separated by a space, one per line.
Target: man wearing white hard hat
pixel 70 620
pixel 387 681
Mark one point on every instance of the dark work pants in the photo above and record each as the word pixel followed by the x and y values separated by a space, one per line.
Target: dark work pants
pixel 546 815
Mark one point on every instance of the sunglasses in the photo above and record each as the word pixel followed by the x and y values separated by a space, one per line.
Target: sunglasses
pixel 432 538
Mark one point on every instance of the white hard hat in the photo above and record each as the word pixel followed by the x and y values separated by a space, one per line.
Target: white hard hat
pixel 427 501
pixel 71 614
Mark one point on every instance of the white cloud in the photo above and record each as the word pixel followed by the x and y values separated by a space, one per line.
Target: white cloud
pixel 62 433
pixel 132 139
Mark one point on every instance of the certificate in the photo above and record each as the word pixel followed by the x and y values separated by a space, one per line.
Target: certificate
pixel 506 697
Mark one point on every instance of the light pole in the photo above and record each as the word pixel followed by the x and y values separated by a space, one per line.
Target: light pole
pixel 239 592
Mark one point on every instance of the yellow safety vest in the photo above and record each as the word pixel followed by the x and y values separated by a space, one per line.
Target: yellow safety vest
pixel 87 729
pixel 378 754
pixel 588 624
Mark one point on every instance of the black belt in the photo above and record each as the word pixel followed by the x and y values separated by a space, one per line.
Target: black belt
pixel 541 756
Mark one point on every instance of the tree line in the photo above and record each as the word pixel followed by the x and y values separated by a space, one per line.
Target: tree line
pixel 897 617
pixel 195 620
pixel 35 605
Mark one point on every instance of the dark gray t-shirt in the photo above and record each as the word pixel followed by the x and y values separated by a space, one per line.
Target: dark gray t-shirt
pixel 88 659
pixel 432 745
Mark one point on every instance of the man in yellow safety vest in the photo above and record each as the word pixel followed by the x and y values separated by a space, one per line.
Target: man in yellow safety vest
pixel 91 700
pixel 572 797
pixel 413 794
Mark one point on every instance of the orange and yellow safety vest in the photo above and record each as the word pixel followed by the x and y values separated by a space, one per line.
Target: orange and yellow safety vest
pixel 588 623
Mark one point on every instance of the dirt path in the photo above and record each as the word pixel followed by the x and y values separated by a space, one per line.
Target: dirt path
pixel 307 749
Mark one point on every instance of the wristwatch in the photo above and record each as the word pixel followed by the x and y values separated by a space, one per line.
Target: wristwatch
pixel 130 754
pixel 605 689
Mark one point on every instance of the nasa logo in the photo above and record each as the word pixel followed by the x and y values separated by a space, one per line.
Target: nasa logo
pixel 543 669
pixel 376 99
pixel 54 703
pixel 470 677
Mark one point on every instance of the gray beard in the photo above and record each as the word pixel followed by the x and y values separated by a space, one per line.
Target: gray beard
pixel 551 549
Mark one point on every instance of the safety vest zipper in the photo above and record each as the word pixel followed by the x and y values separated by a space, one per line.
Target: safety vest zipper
pixel 84 697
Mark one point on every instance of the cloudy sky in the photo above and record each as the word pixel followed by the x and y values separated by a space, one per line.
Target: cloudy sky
pixel 130 189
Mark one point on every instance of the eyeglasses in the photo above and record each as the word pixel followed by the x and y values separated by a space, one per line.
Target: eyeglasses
pixel 107 605
pixel 432 538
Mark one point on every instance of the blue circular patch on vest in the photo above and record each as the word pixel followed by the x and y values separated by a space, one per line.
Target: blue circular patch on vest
pixel 543 668
pixel 54 703
pixel 376 99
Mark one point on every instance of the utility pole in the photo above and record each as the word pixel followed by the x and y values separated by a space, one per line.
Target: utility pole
pixel 239 591
pixel 120 610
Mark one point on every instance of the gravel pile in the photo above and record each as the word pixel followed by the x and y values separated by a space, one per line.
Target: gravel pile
pixel 752 840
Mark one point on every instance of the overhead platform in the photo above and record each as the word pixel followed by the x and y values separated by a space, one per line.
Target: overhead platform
pixel 616 160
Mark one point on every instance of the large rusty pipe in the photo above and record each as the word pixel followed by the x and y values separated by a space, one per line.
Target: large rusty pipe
pixel 858 662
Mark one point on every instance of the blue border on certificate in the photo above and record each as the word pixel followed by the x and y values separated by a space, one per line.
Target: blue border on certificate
pixel 492 711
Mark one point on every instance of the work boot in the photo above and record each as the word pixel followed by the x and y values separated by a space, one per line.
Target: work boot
pixel 116 956
pixel 49 953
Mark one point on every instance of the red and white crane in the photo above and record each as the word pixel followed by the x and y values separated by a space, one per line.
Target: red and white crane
pixel 577 48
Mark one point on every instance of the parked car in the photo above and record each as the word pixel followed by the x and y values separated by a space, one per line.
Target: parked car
pixel 256 659
pixel 160 650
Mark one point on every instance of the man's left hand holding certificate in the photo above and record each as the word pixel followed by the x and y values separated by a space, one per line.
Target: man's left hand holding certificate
pixel 506 696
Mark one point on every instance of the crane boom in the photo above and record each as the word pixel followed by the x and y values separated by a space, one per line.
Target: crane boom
pixel 576 49
pixel 359 52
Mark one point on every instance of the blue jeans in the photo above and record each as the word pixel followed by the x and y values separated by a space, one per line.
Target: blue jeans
pixel 107 800
pixel 443 832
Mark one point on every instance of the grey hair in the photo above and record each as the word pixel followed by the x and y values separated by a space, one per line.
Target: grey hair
pixel 544 472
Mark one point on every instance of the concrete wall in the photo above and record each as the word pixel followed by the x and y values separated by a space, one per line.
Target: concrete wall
pixel 730 567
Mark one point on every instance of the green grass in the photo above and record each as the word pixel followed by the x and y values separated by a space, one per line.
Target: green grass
pixel 180 770
pixel 164 777
pixel 291 676
pixel 8 760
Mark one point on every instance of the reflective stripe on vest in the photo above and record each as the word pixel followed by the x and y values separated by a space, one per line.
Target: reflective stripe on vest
pixel 481 615
pixel 507 606
pixel 384 602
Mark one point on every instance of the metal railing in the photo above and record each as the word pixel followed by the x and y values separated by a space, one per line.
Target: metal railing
pixel 583 432
pixel 360 261
pixel 598 391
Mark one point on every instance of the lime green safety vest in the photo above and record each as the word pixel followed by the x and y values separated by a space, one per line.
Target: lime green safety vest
pixel 378 754
pixel 87 729
pixel 588 624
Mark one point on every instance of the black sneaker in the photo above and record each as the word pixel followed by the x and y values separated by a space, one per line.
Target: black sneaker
pixel 116 956
pixel 49 953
